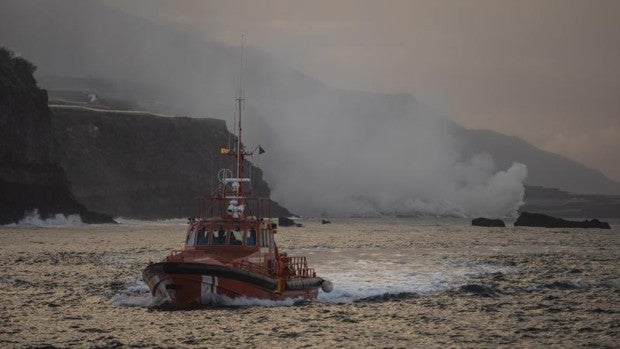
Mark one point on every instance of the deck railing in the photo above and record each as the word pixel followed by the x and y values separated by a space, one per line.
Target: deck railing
pixel 299 267
pixel 286 267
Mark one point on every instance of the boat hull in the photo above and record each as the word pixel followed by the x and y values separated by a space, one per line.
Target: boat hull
pixel 192 284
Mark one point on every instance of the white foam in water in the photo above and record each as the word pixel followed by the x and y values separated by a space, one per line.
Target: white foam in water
pixel 136 301
pixel 58 220
pixel 137 294
pixel 243 301
pixel 138 286
pixel 355 280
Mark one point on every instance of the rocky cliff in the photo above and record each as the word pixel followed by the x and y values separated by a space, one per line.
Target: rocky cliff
pixel 136 164
pixel 559 203
pixel 30 178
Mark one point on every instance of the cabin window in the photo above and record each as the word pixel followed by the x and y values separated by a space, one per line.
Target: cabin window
pixel 265 240
pixel 235 237
pixel 191 237
pixel 203 237
pixel 250 237
pixel 219 237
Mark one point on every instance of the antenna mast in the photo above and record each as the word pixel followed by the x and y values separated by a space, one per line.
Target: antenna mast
pixel 240 100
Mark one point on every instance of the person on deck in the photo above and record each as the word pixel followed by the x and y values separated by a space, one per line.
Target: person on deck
pixel 220 238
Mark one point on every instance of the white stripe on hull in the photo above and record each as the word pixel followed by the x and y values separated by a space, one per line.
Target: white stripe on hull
pixel 208 288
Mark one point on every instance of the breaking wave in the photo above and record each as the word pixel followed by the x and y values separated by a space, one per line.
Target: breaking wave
pixel 244 301
pixel 136 294
pixel 58 220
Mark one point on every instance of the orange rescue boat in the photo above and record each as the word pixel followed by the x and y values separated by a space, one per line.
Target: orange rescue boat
pixel 231 252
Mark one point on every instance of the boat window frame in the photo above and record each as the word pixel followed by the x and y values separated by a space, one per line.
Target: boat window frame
pixel 190 239
pixel 231 232
pixel 246 237
pixel 263 233
pixel 266 239
pixel 209 234
pixel 242 233
pixel 224 241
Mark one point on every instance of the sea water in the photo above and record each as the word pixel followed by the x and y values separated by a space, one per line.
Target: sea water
pixel 397 283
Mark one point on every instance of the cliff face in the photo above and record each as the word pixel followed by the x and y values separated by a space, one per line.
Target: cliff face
pixel 25 118
pixel 143 165
pixel 29 176
pixel 559 203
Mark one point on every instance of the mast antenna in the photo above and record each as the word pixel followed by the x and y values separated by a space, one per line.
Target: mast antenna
pixel 241 67
pixel 240 100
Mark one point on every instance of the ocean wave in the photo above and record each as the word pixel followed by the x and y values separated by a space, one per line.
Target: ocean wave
pixel 58 220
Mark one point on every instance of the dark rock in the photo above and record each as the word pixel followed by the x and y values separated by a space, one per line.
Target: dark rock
pixel 527 219
pixel 90 217
pixel 285 222
pixel 486 222
pixel 299 225
pixel 30 177
pixel 324 221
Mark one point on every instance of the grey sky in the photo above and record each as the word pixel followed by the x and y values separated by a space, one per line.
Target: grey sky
pixel 545 70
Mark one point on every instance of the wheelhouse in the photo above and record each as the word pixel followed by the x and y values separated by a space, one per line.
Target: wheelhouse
pixel 206 235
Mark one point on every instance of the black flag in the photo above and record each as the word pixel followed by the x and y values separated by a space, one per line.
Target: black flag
pixel 260 150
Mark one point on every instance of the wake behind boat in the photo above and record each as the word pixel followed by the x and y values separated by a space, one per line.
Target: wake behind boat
pixel 230 249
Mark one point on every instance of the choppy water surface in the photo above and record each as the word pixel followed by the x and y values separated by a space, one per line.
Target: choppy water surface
pixel 398 283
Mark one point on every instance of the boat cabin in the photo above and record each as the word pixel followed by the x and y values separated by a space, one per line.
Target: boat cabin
pixel 208 235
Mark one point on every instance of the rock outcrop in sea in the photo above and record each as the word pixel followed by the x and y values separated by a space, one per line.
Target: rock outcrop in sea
pixel 285 222
pixel 30 177
pixel 486 222
pixel 527 219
